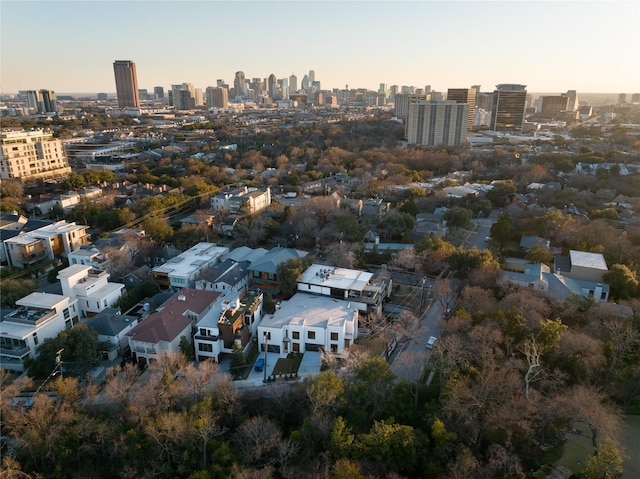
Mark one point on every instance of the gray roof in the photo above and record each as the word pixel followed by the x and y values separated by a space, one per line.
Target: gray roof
pixel 271 259
pixel 109 323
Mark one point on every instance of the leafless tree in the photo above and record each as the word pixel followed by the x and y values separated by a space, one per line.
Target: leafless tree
pixel 257 440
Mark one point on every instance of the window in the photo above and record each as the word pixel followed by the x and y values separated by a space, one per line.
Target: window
pixel 334 348
pixel 35 338
pixel 105 303
pixel 203 332
pixel 66 313
pixel 295 334
pixel 334 336
pixel 205 348
pixel 311 334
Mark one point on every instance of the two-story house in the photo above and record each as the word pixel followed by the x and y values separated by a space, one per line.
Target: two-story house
pixel 353 285
pixel 264 271
pixel 90 287
pixel 38 316
pixel 160 333
pixel 183 270
pixel 308 322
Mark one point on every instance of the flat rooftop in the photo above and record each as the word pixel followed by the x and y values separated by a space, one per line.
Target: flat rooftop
pixel 311 310
pixel 338 278
pixel 588 260
pixel 192 260
pixel 41 300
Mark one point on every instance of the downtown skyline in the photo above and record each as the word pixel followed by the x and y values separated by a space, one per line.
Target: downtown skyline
pixel 549 46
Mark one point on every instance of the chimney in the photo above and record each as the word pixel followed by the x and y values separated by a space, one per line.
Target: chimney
pixel 182 297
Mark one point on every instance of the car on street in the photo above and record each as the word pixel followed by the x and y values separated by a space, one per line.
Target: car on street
pixel 259 364
pixel 431 342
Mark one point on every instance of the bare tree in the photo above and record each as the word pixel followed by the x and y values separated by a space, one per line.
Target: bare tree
pixel 532 355
pixel 257 440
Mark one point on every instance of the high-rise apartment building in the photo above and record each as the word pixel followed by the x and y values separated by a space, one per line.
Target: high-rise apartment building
pixel 158 93
pixel 126 83
pixel 240 85
pixel 509 101
pixel 464 95
pixel 44 101
pixel 183 96
pixel 272 86
pixel 217 97
pixel 32 155
pixel 433 123
pixel 622 98
pixel 403 100
pixel 635 98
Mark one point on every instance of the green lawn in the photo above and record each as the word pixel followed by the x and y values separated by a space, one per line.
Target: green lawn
pixel 578 449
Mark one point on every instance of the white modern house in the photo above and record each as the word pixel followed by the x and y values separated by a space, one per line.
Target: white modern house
pixel 353 285
pixel 39 316
pixel 90 287
pixel 60 238
pixel 183 270
pixel 308 322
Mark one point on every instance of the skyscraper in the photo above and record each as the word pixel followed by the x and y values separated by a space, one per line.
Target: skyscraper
pixel 240 85
pixel 158 92
pixel 433 123
pixel 183 96
pixel 293 83
pixel 464 95
pixel 126 83
pixel 509 101
pixel 553 105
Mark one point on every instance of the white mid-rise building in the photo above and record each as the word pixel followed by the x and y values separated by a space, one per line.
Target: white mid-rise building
pixel 32 155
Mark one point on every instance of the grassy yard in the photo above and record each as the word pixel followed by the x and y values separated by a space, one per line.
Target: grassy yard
pixel 578 449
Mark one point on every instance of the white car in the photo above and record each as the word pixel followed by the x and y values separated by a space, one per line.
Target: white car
pixel 430 343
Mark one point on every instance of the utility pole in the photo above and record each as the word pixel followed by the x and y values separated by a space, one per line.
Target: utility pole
pixel 266 347
pixel 422 293
pixel 59 362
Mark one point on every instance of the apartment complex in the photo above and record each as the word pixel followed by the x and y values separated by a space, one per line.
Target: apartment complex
pixel 43 101
pixel 433 123
pixel 32 155
pixel 126 83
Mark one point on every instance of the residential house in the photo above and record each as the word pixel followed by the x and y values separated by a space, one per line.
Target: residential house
pixel 525 274
pixel 374 209
pixel 183 270
pixel 38 316
pixel 459 191
pixel 250 203
pixel 90 287
pixel 309 322
pixel 231 322
pixel 137 277
pixel 225 276
pixel 352 285
pixel 112 329
pixel 160 333
pixel 88 255
pixel 264 271
pixel 528 242
pixel 220 202
pixel 45 243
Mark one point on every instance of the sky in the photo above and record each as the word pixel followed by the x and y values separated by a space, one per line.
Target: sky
pixel 70 46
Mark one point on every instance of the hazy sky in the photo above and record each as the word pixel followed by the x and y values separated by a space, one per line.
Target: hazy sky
pixel 70 46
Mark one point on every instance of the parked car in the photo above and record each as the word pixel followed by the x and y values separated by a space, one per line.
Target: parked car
pixel 259 364
pixel 431 342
